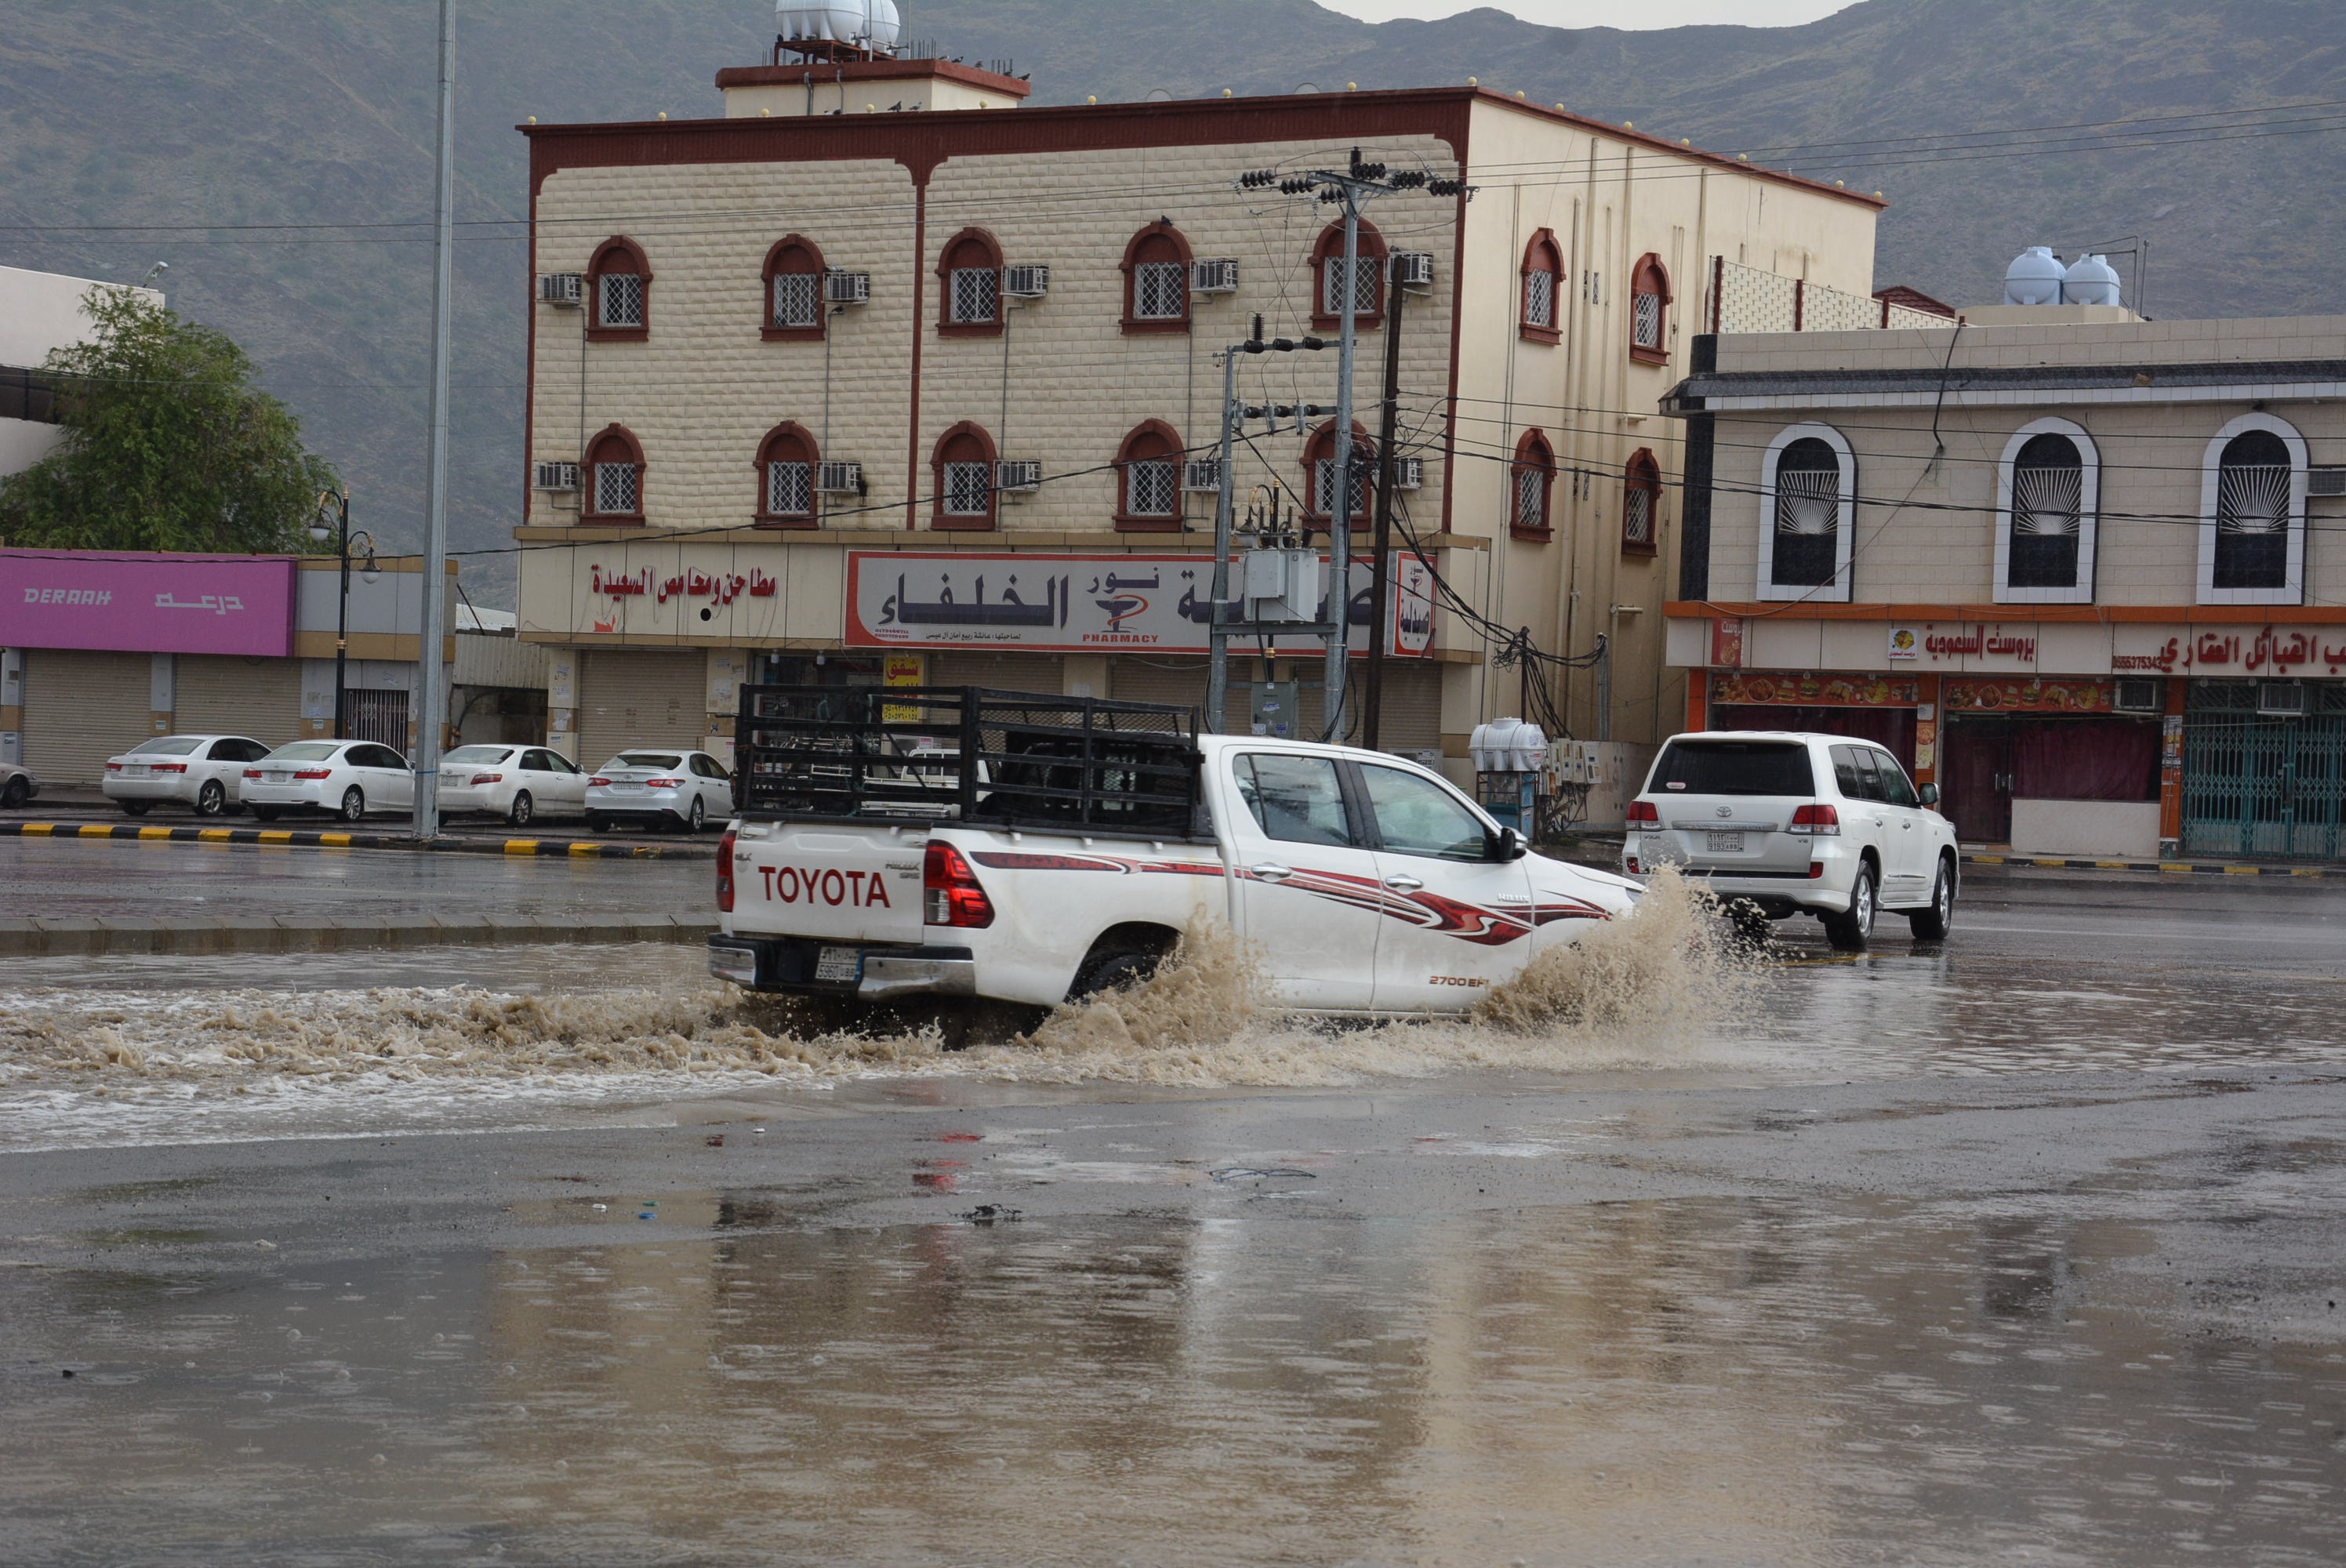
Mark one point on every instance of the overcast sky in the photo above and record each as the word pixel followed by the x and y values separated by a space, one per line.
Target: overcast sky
pixel 1607 13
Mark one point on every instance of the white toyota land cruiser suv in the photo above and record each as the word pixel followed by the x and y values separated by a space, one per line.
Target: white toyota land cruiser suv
pixel 1780 824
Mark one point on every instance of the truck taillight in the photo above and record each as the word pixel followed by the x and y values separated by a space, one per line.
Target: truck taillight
pixel 725 874
pixel 1816 820
pixel 1644 813
pixel 950 892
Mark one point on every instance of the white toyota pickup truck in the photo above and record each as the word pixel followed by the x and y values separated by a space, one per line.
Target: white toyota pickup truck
pixel 954 843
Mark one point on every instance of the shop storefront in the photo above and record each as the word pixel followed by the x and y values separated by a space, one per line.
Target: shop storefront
pixel 2264 768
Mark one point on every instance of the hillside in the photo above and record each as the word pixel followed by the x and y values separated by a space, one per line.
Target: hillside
pixel 316 115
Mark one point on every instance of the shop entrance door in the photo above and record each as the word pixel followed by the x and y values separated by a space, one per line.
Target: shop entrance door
pixel 2263 786
pixel 1976 774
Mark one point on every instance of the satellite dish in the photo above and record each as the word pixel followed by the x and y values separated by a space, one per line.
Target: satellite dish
pixel 1308 88
pixel 1157 96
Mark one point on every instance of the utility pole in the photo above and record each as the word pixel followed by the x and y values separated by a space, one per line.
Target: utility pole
pixel 1372 689
pixel 430 669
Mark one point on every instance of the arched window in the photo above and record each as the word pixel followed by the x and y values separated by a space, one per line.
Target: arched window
pixel 1531 488
pixel 1543 301
pixel 1367 291
pixel 1157 280
pixel 1641 504
pixel 614 480
pixel 1649 310
pixel 1808 501
pixel 969 286
pixel 2252 514
pixel 793 285
pixel 1320 471
pixel 785 474
pixel 2047 492
pixel 963 478
pixel 620 281
pixel 1149 479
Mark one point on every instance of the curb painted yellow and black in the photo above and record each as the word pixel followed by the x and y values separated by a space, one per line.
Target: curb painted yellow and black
pixel 574 849
pixel 2171 868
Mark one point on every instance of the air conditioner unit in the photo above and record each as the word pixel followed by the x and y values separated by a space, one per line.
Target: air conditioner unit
pixel 1030 280
pixel 1414 268
pixel 566 289
pixel 847 288
pixel 1023 476
pixel 1409 474
pixel 2280 699
pixel 1218 276
pixel 841 479
pixel 2325 481
pixel 2139 694
pixel 1203 474
pixel 555 476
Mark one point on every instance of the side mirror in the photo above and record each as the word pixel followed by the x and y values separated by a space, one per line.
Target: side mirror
pixel 1508 845
pixel 1929 794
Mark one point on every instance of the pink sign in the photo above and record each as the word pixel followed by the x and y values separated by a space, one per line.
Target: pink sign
pixel 147 603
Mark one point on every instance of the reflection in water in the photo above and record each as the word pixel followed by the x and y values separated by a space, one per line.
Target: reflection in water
pixel 1670 1382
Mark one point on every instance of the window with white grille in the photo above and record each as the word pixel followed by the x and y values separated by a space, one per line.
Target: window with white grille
pixel 1637 515
pixel 1806 550
pixel 1152 487
pixel 1646 321
pixel 977 294
pixel 1161 291
pixel 798 299
pixel 2048 514
pixel 1531 501
pixel 1324 482
pixel 789 489
pixel 1539 299
pixel 619 300
pixel 969 489
pixel 617 491
pixel 1364 276
pixel 2252 512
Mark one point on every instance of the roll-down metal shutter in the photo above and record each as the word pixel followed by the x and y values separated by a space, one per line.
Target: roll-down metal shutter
pixel 1411 720
pixel 258 698
pixel 629 697
pixel 1181 682
pixel 81 709
pixel 1002 672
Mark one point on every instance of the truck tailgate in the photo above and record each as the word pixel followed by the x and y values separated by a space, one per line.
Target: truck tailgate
pixel 857 884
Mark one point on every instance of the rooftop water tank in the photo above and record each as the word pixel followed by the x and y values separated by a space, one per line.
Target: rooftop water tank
pixel 2090 280
pixel 1507 746
pixel 2034 278
pixel 873 23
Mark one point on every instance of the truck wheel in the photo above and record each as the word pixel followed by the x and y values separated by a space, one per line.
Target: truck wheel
pixel 1932 924
pixel 1849 931
pixel 981 1021
pixel 1113 969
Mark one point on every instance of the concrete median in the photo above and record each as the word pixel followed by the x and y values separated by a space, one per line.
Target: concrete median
pixel 55 935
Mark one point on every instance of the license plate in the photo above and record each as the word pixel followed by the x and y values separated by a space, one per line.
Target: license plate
pixel 276 778
pixel 840 964
pixel 134 770
pixel 626 788
pixel 1723 843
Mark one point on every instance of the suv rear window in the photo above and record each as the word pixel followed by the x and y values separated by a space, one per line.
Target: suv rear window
pixel 1734 767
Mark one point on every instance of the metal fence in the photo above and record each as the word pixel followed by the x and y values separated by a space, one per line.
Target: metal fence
pixel 2264 784
pixel 1748 300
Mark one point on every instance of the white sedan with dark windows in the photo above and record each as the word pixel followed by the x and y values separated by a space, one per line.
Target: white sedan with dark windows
pixel 344 779
pixel 519 783
pixel 659 789
pixel 198 772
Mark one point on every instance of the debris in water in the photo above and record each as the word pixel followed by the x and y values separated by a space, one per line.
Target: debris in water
pixel 987 1214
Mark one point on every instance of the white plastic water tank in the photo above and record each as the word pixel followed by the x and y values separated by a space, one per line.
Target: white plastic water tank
pixel 885 23
pixel 2090 280
pixel 1507 746
pixel 874 22
pixel 2034 278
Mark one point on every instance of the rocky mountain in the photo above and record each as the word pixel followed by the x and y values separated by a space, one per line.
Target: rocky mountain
pixel 278 152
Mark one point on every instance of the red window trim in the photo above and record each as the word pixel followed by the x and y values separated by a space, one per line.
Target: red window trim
pixel 1135 325
pixel 1128 521
pixel 789 431
pixel 618 245
pixel 938 518
pixel 946 326
pixel 1532 454
pixel 1649 267
pixel 635 451
pixel 1322 446
pixel 1544 240
pixel 1331 247
pixel 767 328
pixel 1642 471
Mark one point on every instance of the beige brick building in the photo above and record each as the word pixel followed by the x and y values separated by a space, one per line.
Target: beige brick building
pixel 732 309
pixel 2081 569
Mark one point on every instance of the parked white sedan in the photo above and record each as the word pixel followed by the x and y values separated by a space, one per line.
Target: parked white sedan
pixel 201 771
pixel 659 789
pixel 518 783
pixel 347 779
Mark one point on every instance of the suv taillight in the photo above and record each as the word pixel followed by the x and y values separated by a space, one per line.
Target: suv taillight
pixel 1816 820
pixel 725 874
pixel 1645 813
pixel 950 892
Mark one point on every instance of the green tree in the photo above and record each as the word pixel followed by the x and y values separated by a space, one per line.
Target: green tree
pixel 168 445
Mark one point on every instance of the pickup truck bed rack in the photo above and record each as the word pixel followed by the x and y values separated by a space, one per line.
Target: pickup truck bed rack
pixel 968 754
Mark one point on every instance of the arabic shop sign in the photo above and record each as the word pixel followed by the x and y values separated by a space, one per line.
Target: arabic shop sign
pixel 1083 604
pixel 146 603
pixel 1965 647
pixel 2230 650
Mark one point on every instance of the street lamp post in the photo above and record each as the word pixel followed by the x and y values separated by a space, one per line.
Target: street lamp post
pixel 319 528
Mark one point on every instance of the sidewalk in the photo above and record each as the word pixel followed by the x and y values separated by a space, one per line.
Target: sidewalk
pixel 49 936
pixel 583 848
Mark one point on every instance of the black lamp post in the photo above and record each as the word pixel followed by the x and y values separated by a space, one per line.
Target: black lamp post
pixel 339 528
